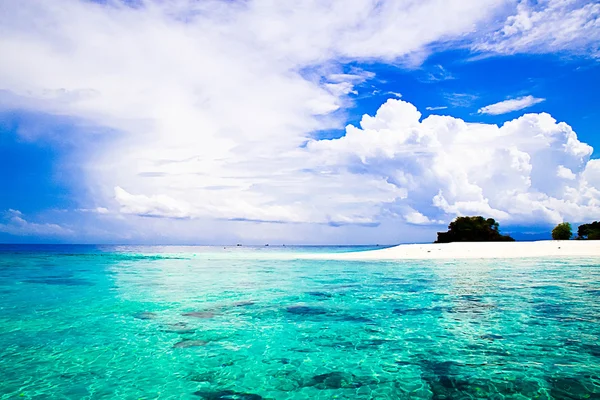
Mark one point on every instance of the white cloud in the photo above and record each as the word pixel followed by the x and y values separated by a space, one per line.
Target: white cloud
pixel 565 173
pixel 461 99
pixel 436 108
pixel 356 76
pixel 97 210
pixel 548 26
pixel 449 167
pixel 15 224
pixel 507 106
pixel 213 106
pixel 414 217
pixel 438 73
pixel 152 206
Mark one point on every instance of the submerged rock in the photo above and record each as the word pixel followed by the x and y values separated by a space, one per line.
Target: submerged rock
pixel 356 318
pixel 573 388
pixel 180 331
pixel 491 336
pixel 60 281
pixel 184 344
pixel 179 328
pixel 334 380
pixel 417 311
pixel 199 314
pixel 244 303
pixel 320 294
pixel 145 315
pixel 306 310
pixel 227 395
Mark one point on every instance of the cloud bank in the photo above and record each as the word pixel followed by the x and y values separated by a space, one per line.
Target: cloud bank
pixel 395 164
pixel 444 166
pixel 14 223
pixel 213 108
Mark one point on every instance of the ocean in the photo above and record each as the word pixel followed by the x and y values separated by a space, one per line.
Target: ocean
pixel 251 323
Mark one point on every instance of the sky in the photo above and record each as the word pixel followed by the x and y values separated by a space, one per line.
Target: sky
pixel 306 122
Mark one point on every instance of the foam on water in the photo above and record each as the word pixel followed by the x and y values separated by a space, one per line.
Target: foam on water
pixel 213 323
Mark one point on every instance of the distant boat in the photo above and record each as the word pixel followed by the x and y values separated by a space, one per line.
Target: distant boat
pixel 238 244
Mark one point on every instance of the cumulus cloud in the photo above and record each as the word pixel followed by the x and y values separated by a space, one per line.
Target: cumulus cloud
pixel 510 105
pixel 414 217
pixel 450 167
pixel 15 224
pixel 214 105
pixel 548 26
pixel 565 173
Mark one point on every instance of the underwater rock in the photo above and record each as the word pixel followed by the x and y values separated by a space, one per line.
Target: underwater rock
pixel 593 349
pixel 369 344
pixel 199 314
pixel 227 395
pixel 145 315
pixel 334 380
pixel 320 294
pixel 572 388
pixel 442 382
pixel 300 350
pixel 283 361
pixel 471 307
pixel 244 303
pixel 593 292
pixel 184 331
pixel 60 281
pixel 204 377
pixel 306 310
pixel 491 336
pixel 356 318
pixel 184 344
pixel 180 328
pixel 416 311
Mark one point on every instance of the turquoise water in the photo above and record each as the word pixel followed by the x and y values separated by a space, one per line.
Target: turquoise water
pixel 213 323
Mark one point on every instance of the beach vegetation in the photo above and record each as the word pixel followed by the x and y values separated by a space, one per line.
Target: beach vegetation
pixel 562 231
pixel 473 229
pixel 589 231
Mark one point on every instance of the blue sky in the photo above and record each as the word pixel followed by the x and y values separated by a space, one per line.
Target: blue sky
pixel 210 123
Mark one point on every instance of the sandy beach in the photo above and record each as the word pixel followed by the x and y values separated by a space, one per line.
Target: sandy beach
pixel 474 250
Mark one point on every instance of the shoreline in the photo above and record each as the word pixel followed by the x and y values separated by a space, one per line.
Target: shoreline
pixel 473 250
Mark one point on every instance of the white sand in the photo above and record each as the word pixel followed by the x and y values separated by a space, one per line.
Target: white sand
pixel 546 248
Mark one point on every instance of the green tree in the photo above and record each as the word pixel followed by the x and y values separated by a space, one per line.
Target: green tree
pixel 589 231
pixel 562 231
pixel 473 229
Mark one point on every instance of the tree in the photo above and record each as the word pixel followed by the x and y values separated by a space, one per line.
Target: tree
pixel 589 231
pixel 473 229
pixel 562 231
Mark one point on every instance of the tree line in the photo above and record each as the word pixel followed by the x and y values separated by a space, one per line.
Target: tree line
pixel 564 231
pixel 480 229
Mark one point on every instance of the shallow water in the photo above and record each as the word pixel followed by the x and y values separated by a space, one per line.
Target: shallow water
pixel 213 323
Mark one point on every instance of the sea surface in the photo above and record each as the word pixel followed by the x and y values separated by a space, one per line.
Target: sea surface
pixel 84 322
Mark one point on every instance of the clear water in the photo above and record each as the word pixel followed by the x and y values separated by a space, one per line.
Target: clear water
pixel 213 323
